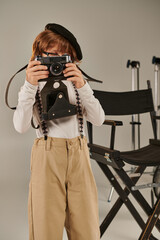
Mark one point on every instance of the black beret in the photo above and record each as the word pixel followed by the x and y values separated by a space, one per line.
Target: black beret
pixel 56 28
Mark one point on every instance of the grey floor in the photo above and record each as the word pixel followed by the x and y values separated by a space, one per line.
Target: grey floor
pixel 123 226
pixel 14 219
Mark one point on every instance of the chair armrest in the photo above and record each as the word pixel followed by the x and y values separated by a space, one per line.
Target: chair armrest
pixel 105 155
pixel 103 150
pixel 156 117
pixel 154 142
pixel 113 123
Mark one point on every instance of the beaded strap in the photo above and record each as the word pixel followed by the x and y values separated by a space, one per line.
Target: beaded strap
pixel 40 107
pixel 79 111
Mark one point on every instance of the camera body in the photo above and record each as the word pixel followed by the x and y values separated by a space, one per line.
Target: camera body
pixel 54 95
pixel 55 64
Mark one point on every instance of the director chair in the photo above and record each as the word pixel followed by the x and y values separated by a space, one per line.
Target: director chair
pixel 111 160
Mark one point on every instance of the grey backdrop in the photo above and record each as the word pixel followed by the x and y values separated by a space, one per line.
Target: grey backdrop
pixel 110 32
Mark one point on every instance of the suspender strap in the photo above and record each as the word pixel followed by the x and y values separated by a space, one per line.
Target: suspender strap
pixel 8 85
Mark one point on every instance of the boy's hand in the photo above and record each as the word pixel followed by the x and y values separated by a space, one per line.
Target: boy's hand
pixel 35 71
pixel 77 77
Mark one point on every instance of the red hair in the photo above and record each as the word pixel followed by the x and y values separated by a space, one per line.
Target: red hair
pixel 47 39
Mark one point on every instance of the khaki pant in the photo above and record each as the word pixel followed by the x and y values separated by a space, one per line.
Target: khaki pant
pixel 62 191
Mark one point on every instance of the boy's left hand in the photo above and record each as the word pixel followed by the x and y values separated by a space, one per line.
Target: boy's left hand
pixel 77 77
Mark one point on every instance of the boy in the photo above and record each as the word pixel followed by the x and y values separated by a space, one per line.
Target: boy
pixel 62 188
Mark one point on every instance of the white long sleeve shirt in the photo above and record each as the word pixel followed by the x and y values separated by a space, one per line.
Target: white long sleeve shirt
pixel 66 127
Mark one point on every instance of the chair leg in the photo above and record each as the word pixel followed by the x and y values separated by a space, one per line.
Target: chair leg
pixel 123 196
pixel 118 204
pixel 136 194
pixel 112 188
pixel 152 198
pixel 124 199
pixel 151 222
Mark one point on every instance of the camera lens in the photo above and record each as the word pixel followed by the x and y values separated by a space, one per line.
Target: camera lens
pixel 56 68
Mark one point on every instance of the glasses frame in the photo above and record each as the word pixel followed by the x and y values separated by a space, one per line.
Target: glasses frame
pixel 49 53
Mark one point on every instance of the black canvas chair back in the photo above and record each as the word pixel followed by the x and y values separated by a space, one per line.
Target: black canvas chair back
pixel 128 103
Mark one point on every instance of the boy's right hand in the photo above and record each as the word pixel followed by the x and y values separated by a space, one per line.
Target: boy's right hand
pixel 35 71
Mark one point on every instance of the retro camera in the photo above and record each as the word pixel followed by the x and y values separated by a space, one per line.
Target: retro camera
pixel 55 64
pixel 54 95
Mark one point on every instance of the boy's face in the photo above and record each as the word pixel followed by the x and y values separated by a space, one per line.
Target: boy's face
pixel 52 51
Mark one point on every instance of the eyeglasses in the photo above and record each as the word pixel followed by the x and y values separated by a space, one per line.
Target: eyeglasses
pixel 52 54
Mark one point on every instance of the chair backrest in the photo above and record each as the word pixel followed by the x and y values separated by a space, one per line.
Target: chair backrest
pixel 128 103
pixel 125 103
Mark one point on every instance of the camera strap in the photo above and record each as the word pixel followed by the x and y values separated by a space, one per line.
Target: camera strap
pixel 8 85
pixel 61 106
pixel 43 122
pixel 79 111
pixel 88 78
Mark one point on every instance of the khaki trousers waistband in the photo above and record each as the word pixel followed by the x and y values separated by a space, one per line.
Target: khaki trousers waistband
pixel 60 142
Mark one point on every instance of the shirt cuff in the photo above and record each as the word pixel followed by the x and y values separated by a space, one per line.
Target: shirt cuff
pixel 85 91
pixel 30 86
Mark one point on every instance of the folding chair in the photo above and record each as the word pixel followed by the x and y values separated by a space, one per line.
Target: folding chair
pixel 111 160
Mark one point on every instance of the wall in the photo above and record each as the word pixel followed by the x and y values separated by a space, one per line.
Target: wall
pixel 110 32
